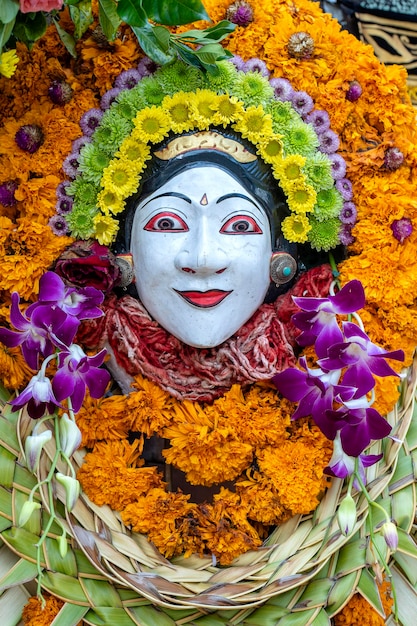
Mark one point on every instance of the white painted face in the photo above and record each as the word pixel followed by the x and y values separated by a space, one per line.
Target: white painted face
pixel 201 248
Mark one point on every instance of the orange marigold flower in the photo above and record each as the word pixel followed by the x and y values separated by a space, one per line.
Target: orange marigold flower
pixel 110 474
pixel 35 614
pixel 149 407
pixel 103 419
pixel 14 371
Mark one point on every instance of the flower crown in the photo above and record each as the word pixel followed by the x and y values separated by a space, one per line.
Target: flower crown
pixel 107 163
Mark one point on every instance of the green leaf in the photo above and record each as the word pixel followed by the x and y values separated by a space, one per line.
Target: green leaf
pixel 70 615
pixel 29 27
pixel 266 615
pixel 151 616
pixel 22 572
pixel 109 617
pixel 82 17
pixel 210 53
pixel 213 34
pixel 5 32
pixel 150 45
pixel 175 13
pixel 368 588
pixel 132 12
pixel 67 39
pixel 108 17
pixel 163 36
pixel 8 10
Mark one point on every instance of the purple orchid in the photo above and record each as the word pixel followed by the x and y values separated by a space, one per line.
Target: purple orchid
pixel 76 372
pixel 315 391
pixel 38 396
pixel 359 424
pixel 362 358
pixel 341 465
pixel 79 303
pixel 317 320
pixel 39 334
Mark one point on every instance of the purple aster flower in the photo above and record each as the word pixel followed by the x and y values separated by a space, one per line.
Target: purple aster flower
pixel 302 102
pixel 64 205
pixel 79 143
pixel 240 13
pixel 79 303
pixel 341 465
pixel 70 165
pixel 7 191
pixel 38 396
pixel 77 372
pixel 354 92
pixel 320 120
pixel 38 333
pixel 90 120
pixel 393 159
pixel 345 187
pixel 58 225
pixel 361 358
pixel 348 214
pixel 358 424
pixel 329 141
pixel 29 138
pixel 147 67
pixel 128 79
pixel 345 235
pixel 256 65
pixel 61 190
pixel 109 97
pixel 401 229
pixel 60 92
pixel 338 166
pixel 282 89
pixel 317 320
pixel 238 62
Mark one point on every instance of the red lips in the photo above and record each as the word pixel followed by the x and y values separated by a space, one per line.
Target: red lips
pixel 204 299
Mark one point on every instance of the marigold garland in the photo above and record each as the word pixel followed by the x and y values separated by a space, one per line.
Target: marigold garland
pixel 245 437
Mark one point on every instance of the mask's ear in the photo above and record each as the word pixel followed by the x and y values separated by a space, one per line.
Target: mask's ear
pixel 283 268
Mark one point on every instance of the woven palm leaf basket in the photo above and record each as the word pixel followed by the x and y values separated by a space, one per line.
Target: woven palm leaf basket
pixel 82 540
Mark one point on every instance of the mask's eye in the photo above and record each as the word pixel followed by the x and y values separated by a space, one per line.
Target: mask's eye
pixel 241 225
pixel 166 222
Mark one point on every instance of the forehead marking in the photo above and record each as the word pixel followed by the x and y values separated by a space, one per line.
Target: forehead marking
pixel 204 200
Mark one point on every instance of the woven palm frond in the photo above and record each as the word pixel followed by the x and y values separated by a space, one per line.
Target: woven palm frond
pixel 304 573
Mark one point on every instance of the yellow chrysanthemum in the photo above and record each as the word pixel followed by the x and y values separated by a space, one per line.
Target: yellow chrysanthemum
pixel 134 150
pixel 295 228
pixel 179 110
pixel 8 63
pixel 270 150
pixel 254 124
pixel 120 177
pixel 301 198
pixel 229 109
pixel 204 105
pixel 152 124
pixel 289 170
pixel 105 229
pixel 110 202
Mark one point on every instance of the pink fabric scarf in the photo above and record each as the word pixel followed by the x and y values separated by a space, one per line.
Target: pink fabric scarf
pixel 261 348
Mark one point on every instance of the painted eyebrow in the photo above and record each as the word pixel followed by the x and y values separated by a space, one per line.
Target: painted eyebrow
pixel 169 194
pixel 237 195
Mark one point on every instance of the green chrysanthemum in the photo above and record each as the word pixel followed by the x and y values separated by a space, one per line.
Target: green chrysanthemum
pixel 128 102
pixel 84 192
pixel 112 130
pixel 252 88
pixel 92 162
pixel 151 91
pixel 225 77
pixel 179 76
pixel 324 235
pixel 283 115
pixel 318 170
pixel 80 221
pixel 329 203
pixel 300 139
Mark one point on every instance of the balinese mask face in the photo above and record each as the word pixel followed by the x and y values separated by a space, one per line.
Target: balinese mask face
pixel 201 247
